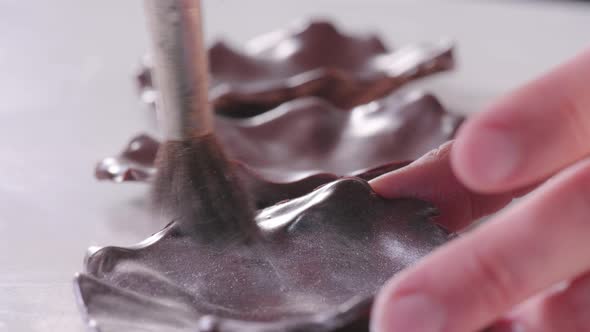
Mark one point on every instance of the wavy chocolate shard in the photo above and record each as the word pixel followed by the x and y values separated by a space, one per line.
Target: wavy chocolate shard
pixel 315 60
pixel 131 165
pixel 316 264
pixel 289 151
pixel 308 136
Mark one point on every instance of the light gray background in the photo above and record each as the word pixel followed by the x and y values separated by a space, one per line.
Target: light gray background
pixel 66 99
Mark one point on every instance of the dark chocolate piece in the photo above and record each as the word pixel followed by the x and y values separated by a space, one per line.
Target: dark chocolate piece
pixel 308 135
pixel 131 166
pixel 312 264
pixel 316 60
pixel 305 140
pixel 135 163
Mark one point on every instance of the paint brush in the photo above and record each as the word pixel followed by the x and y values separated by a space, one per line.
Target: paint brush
pixel 195 183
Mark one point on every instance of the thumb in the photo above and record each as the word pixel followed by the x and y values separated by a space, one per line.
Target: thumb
pixel 431 178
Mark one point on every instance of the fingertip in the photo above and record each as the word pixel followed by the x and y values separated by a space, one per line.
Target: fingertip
pixel 380 312
pixel 485 157
pixel 462 158
pixel 393 312
pixel 376 323
pixel 432 167
pixel 385 185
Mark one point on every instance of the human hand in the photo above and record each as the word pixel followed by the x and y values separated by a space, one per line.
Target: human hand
pixel 528 268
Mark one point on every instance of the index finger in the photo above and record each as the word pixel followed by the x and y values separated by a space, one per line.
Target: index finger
pixel 528 135
pixel 431 178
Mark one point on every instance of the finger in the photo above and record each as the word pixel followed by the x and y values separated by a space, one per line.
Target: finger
pixel 431 178
pixel 470 282
pixel 529 134
pixel 564 310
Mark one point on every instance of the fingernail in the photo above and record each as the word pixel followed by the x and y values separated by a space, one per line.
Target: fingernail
pixel 494 156
pixel 415 313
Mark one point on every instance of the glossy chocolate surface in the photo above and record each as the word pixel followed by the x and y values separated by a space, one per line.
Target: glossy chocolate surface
pixel 305 140
pixel 314 60
pixel 311 263
pixel 136 163
pixel 308 264
pixel 309 136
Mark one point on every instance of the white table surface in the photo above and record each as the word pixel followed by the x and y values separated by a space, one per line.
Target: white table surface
pixel 66 99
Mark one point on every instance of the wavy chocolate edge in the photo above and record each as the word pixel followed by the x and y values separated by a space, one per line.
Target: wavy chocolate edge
pixel 309 135
pixel 264 192
pixel 154 285
pixel 310 60
pixel 304 143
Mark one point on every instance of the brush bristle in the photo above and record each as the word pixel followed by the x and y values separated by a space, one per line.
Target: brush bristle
pixel 195 185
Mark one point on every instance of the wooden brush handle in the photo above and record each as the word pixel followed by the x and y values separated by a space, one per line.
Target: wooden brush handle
pixel 181 68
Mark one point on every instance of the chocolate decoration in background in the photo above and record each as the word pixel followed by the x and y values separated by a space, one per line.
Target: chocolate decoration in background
pixel 292 149
pixel 314 60
pixel 316 266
